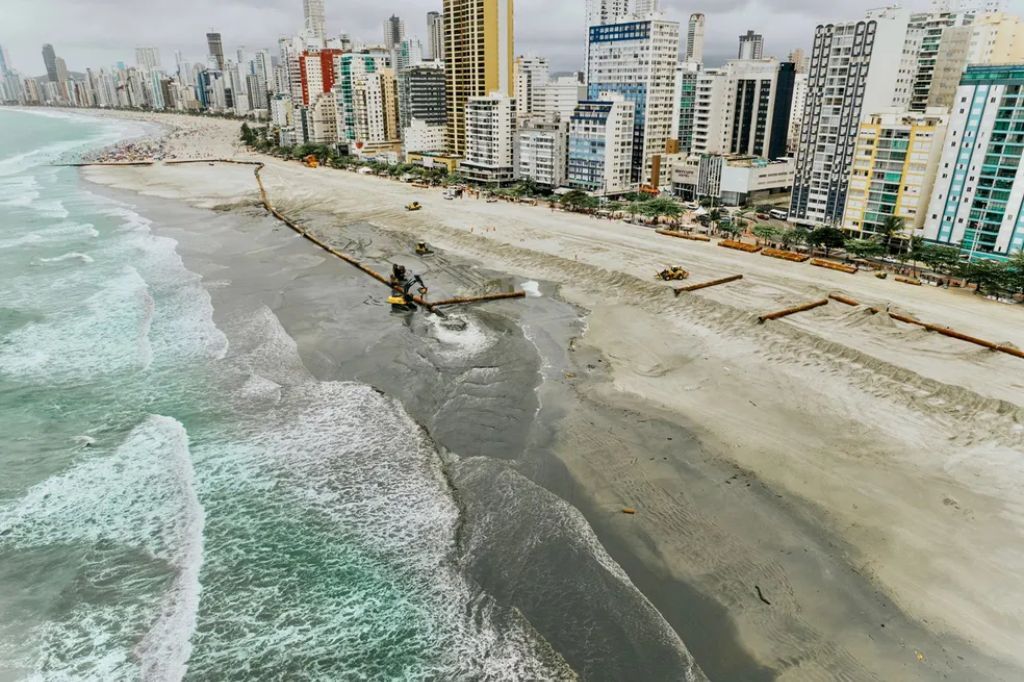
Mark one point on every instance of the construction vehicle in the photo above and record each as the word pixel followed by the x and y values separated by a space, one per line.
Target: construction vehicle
pixel 401 300
pixel 673 273
pixel 414 206
pixel 310 161
pixel 422 249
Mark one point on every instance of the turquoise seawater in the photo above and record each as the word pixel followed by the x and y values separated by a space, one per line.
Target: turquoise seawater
pixel 182 500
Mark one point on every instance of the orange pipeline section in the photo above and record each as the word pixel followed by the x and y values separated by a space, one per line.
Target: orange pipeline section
pixel 705 285
pixel 938 329
pixel 786 312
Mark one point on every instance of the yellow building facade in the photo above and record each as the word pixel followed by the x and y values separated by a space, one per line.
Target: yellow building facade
pixel 894 165
pixel 478 59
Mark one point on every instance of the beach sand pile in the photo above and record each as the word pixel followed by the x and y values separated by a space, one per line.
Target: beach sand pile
pixel 856 508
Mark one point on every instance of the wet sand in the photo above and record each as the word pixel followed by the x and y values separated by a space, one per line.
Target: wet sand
pixel 524 545
pixel 864 477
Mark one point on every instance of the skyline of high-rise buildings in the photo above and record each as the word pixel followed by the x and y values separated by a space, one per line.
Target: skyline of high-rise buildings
pixel 866 85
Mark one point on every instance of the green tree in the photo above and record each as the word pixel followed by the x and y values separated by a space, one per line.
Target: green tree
pixel 578 201
pixel 634 209
pixel 941 259
pixel 765 233
pixel 731 229
pixel 656 208
pixel 990 276
pixel 865 248
pixel 1015 272
pixel 827 238
pixel 248 136
pixel 893 227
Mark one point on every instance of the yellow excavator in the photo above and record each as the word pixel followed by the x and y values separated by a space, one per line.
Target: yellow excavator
pixel 673 273
pixel 414 206
pixel 422 249
pixel 401 300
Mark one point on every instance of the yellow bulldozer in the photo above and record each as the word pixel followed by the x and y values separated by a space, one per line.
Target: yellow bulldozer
pixel 414 206
pixel 673 273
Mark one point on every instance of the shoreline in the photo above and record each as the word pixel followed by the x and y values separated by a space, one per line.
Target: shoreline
pixel 501 456
pixel 871 441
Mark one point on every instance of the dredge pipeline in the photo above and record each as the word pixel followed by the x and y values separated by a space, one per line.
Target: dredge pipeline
pixel 938 329
pixel 269 206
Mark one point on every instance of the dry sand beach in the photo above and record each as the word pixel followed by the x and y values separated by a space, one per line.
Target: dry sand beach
pixel 855 506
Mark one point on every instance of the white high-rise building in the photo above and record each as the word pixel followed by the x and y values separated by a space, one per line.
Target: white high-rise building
pixel 695 38
pixel 435 35
pixel 421 136
pixel 606 11
pixel 558 97
pixel 490 139
pixel 638 60
pixel 323 120
pixel 642 9
pixel 600 155
pixel 751 46
pixel 375 108
pixel 407 53
pixel 147 58
pixel 531 75
pixel 541 151
pixel 394 31
pixel 857 68
pixel 313 13
pixel 744 108
pixel 989 38
pixel 796 110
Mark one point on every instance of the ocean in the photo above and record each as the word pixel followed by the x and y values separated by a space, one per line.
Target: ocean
pixel 183 500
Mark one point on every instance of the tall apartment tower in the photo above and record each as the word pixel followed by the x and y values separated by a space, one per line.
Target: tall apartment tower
pixel 147 58
pixel 799 60
pixel 490 139
pixel 394 32
pixel 751 46
pixel 314 20
pixel 925 35
pixel 857 68
pixel 478 53
pixel 744 108
pixel 638 59
pixel 601 145
pixel 531 76
pixel 216 46
pixel 684 102
pixel 644 8
pixel 978 193
pixel 606 11
pixel 990 38
pixel 50 59
pixel 695 38
pixel 421 95
pixel 435 35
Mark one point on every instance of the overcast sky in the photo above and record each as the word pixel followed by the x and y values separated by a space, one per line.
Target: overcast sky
pixel 101 32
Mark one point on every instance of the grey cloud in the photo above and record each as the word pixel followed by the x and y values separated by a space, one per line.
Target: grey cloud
pixel 101 32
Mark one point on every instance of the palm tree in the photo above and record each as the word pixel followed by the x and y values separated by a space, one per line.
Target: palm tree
pixel 765 233
pixel 655 208
pixel 891 228
pixel 635 208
